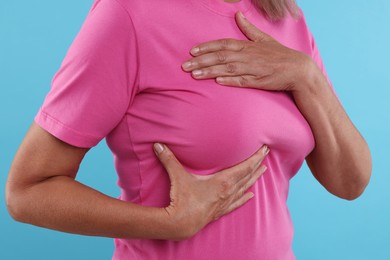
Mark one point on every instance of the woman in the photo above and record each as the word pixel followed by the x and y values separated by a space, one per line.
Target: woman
pixel 154 72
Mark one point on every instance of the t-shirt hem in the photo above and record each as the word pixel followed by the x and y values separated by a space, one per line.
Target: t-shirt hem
pixel 63 132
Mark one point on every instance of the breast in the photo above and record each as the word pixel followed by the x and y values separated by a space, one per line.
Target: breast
pixel 210 127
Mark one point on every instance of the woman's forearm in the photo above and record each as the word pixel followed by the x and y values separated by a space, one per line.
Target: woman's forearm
pixel 341 160
pixel 63 204
pixel 42 190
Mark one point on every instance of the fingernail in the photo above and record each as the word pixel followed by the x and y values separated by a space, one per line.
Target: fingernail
pixel 220 80
pixel 263 168
pixel 242 15
pixel 195 50
pixel 158 148
pixel 265 150
pixel 197 73
pixel 186 65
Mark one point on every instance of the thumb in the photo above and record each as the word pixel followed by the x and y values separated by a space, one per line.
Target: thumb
pixel 249 30
pixel 169 161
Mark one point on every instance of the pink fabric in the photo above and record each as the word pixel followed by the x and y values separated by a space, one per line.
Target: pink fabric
pixel 122 79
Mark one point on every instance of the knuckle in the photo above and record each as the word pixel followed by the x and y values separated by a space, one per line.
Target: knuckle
pixel 206 72
pixel 242 81
pixel 169 158
pixel 223 197
pixel 225 186
pixel 231 68
pixel 221 56
pixel 225 189
pixel 249 168
pixel 225 43
pixel 243 44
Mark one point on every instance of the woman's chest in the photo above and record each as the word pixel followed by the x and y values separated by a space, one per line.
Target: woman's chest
pixel 210 127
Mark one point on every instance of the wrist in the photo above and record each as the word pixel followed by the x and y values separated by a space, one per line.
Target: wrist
pixel 145 222
pixel 172 225
pixel 310 81
pixel 178 226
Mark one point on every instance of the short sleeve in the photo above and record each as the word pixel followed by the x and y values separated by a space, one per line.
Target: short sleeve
pixel 97 80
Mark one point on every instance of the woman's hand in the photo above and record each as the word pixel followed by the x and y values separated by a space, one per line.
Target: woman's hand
pixel 197 200
pixel 341 160
pixel 42 190
pixel 262 62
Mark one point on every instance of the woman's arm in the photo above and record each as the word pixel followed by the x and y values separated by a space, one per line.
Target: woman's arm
pixel 42 190
pixel 341 160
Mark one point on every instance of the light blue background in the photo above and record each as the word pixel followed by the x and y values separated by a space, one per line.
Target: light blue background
pixel 353 37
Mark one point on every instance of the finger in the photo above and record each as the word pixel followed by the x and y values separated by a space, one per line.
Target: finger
pixel 240 81
pixel 168 160
pixel 218 45
pixel 248 182
pixel 241 195
pixel 246 167
pixel 236 204
pixel 266 81
pixel 213 58
pixel 224 70
pixel 249 30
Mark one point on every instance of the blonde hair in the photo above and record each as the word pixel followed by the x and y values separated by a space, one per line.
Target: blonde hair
pixel 278 9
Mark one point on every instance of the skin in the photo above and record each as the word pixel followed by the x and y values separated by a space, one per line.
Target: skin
pixel 341 160
pixel 42 190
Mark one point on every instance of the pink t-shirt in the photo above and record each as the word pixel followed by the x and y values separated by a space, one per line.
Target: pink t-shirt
pixel 122 79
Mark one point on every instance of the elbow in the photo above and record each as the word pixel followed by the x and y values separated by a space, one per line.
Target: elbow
pixel 356 177
pixel 346 177
pixel 351 193
pixel 15 203
pixel 12 205
pixel 355 186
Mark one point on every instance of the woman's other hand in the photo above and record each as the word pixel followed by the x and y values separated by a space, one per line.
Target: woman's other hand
pixel 42 190
pixel 260 62
pixel 196 200
pixel 341 159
